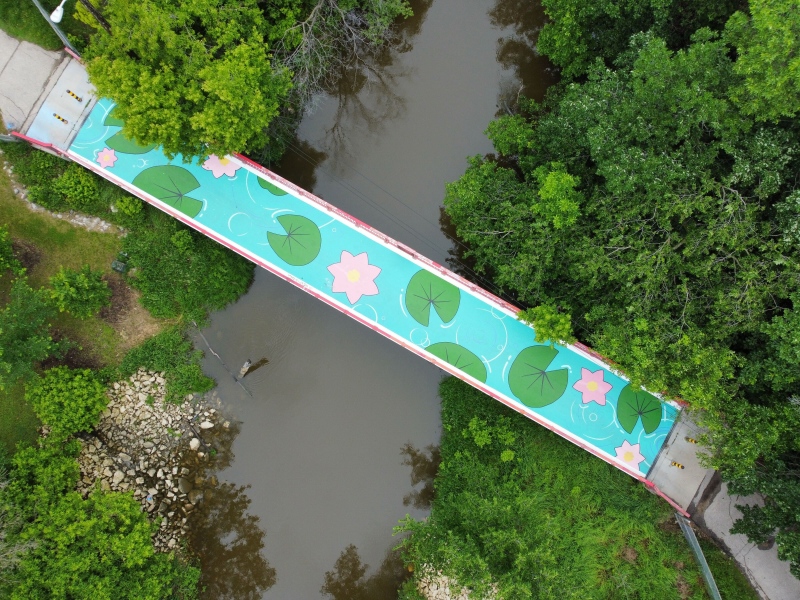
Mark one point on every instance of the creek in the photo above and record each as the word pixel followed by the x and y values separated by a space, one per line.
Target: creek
pixel 334 438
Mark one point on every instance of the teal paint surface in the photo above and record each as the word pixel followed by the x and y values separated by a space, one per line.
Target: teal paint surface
pixel 429 311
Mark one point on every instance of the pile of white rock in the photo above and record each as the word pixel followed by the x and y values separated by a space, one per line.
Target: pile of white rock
pixel 141 446
pixel 436 586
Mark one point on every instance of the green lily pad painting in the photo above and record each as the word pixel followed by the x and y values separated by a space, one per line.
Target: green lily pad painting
pixel 170 184
pixel 426 290
pixel 111 120
pixel 122 144
pixel 302 241
pixel 531 382
pixel 460 358
pixel 271 187
pixel 634 405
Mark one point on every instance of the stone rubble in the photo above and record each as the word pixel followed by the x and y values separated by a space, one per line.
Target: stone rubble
pixel 436 586
pixel 141 445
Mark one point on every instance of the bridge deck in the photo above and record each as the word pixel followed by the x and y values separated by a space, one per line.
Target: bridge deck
pixel 391 289
pixel 388 287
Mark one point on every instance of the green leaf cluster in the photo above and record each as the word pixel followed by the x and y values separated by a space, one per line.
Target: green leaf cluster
pixel 67 401
pixel 25 337
pixel 183 273
pixel 195 77
pixel 520 513
pixel 78 186
pixel 172 353
pixel 98 547
pixel 81 293
pixel 671 167
pixel 8 262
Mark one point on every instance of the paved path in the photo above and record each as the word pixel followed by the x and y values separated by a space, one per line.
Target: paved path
pixel 25 69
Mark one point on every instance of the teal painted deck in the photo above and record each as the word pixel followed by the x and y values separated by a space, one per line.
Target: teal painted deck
pixel 391 289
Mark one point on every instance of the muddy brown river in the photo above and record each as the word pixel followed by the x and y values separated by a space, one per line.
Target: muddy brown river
pixel 333 440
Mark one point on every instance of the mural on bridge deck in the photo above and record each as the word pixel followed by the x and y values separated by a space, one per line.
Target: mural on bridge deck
pixel 400 296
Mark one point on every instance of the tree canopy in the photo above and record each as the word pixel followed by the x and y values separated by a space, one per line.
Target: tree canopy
pixel 195 77
pixel 655 202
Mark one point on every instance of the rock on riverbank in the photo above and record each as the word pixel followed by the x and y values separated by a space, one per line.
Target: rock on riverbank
pixel 141 445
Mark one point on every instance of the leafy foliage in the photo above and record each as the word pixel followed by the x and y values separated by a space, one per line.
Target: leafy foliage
pixel 68 401
pixel 171 352
pixel 767 43
pixel 8 261
pixel 190 278
pixel 183 74
pixel 99 547
pixel 581 32
pixel 25 338
pixel 518 508
pixel 673 182
pixel 81 293
pixel 78 186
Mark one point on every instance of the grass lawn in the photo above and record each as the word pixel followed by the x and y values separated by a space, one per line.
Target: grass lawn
pixel 21 19
pixel 18 423
pixel 44 243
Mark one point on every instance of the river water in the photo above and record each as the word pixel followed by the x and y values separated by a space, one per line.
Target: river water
pixel 333 440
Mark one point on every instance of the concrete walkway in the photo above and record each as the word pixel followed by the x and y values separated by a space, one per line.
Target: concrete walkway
pixel 25 70
pixel 715 514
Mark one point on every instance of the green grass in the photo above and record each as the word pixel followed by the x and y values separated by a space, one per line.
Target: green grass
pixel 21 19
pixel 59 242
pixel 18 423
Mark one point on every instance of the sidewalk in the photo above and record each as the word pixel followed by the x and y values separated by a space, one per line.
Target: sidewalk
pixel 25 69
pixel 715 513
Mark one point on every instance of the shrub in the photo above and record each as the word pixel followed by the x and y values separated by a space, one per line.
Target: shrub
pixel 25 333
pixel 180 272
pixel 170 352
pixel 81 293
pixel 67 400
pixel 78 186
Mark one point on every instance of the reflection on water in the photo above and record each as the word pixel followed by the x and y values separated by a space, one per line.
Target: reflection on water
pixel 328 414
pixel 348 580
pixel 223 534
pixel 424 465
pixel 517 51
pixel 365 89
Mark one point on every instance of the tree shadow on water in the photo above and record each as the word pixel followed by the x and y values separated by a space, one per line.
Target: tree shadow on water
pixel 348 580
pixel 424 465
pixel 226 538
pixel 517 51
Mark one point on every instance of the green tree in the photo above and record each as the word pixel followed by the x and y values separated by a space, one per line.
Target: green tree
pixel 195 77
pixel 81 293
pixel 767 43
pixel 677 256
pixel 25 337
pixel 99 547
pixel 66 400
pixel 580 32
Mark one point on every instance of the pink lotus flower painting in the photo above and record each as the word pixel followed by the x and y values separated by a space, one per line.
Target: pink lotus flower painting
pixel 629 453
pixel 354 276
pixel 106 158
pixel 220 166
pixel 593 387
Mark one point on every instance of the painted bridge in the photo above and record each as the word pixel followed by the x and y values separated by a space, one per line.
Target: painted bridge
pixel 380 283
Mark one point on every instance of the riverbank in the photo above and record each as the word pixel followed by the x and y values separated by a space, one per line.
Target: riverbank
pixel 150 448
pixel 518 508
